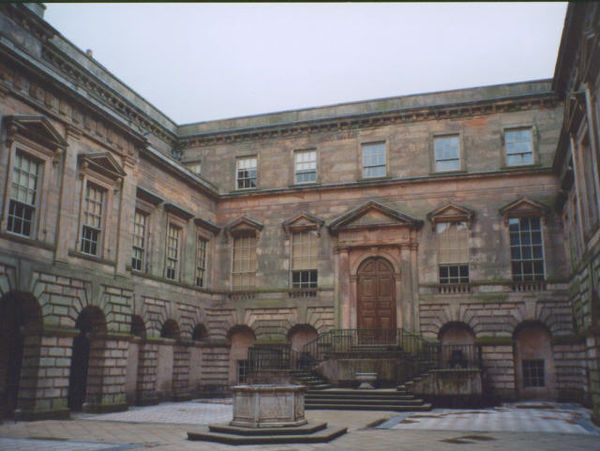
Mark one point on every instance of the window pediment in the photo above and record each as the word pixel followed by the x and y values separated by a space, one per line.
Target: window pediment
pixel 103 163
pixel 451 212
pixel 207 225
pixel 178 211
pixel 302 221
pixel 524 207
pixel 372 214
pixel 243 226
pixel 37 129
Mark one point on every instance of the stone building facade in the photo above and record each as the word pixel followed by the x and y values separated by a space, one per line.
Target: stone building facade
pixel 139 258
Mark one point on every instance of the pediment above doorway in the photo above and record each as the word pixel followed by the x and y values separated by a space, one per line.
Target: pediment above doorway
pixel 373 215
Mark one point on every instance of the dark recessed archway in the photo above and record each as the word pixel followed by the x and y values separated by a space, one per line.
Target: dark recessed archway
pixel 138 328
pixel 199 333
pixel 20 317
pixel 170 329
pixel 90 321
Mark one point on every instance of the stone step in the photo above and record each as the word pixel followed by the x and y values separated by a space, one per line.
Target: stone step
pixel 375 393
pixel 419 408
pixel 374 402
pixel 286 430
pixel 322 436
pixel 323 394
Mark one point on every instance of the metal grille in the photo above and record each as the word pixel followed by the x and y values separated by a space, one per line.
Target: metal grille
pixel 533 373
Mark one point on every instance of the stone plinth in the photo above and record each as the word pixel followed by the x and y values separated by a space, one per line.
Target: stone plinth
pixel 266 405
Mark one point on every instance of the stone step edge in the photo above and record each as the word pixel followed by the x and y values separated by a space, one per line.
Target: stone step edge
pixel 226 428
pixel 322 436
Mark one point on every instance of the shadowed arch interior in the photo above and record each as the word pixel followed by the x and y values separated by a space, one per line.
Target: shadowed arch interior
pixel 20 321
pixel 170 329
pixel 90 321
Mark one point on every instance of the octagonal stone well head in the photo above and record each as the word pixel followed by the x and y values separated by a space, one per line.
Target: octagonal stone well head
pixel 268 405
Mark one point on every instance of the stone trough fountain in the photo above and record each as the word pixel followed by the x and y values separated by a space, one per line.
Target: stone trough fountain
pixel 268 414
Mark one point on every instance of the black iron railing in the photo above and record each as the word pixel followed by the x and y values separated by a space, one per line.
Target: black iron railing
pixel 351 341
pixel 347 343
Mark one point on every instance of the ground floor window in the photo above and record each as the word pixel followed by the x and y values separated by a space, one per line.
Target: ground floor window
pixel 242 371
pixel 533 373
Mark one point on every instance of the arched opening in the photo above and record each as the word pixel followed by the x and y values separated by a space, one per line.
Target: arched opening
pixel 20 320
pixel 241 338
pixel 170 329
pixel 166 359
pixel 535 376
pixel 457 342
pixel 301 334
pixel 376 304
pixel 138 330
pixel 89 322
pixel 199 333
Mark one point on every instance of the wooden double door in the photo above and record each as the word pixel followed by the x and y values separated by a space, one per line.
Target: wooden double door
pixel 376 307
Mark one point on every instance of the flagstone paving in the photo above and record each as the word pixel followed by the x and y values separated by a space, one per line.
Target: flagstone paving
pixel 530 426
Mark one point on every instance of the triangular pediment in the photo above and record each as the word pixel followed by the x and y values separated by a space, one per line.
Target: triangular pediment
pixel 373 214
pixel 102 162
pixel 302 221
pixel 451 212
pixel 38 129
pixel 524 207
pixel 243 225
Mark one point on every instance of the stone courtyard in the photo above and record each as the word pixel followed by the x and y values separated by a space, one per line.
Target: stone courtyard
pixel 516 426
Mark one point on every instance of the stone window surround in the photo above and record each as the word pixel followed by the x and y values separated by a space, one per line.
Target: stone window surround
pixel 293 165
pixel 86 176
pixel 534 144
pixel 361 145
pixel 174 221
pixel 461 151
pixel 588 223
pixel 244 157
pixel 144 209
pixel 48 159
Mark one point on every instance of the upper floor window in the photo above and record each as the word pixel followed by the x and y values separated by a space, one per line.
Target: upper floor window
pixel 526 249
pixel 446 151
pixel 23 194
pixel 246 173
pixel 244 262
pixel 93 219
pixel 373 159
pixel 140 229
pixel 453 251
pixel 519 146
pixel 306 166
pixel 201 262
pixel 305 248
pixel 173 251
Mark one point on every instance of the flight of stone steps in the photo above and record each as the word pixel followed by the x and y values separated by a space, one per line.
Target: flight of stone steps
pixel 321 395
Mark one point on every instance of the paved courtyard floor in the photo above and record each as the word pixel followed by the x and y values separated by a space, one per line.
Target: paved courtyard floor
pixel 520 426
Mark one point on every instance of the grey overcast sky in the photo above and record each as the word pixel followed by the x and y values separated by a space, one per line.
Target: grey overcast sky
pixel 198 62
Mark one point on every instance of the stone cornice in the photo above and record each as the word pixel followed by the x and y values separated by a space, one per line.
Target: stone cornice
pixel 100 92
pixel 374 119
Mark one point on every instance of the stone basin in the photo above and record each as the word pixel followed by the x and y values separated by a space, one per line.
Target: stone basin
pixel 268 405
